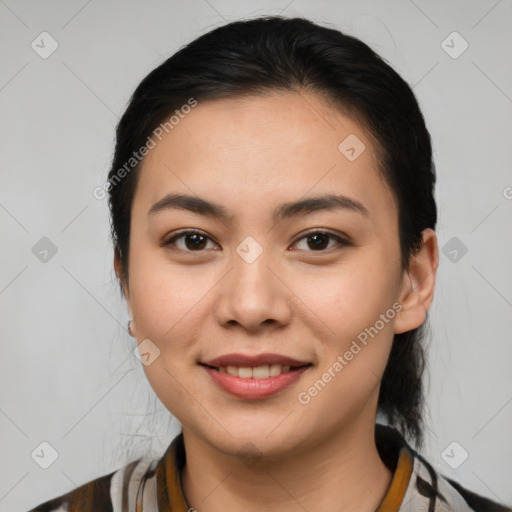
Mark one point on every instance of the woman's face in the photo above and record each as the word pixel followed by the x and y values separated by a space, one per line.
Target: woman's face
pixel 264 278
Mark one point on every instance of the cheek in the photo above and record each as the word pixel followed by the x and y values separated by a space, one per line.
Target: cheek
pixel 165 304
pixel 351 296
pixel 358 309
pixel 164 295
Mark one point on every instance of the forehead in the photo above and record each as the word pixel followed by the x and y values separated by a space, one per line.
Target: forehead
pixel 264 150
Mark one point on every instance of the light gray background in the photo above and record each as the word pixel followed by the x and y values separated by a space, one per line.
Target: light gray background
pixel 68 376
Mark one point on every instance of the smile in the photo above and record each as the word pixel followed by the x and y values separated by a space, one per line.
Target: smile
pixel 259 372
pixel 253 382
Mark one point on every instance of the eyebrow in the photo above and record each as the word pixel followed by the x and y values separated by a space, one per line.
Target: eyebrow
pixel 195 204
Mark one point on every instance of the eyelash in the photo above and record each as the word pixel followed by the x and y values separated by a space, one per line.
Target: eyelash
pixel 341 241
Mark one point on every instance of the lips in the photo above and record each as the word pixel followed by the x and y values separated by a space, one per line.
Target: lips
pixel 254 376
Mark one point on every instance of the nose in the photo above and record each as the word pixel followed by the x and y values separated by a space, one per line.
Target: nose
pixel 253 294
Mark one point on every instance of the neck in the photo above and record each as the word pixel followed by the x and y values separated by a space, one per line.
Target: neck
pixel 343 472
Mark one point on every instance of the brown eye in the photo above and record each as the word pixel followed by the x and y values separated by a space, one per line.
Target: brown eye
pixel 196 241
pixel 192 241
pixel 319 240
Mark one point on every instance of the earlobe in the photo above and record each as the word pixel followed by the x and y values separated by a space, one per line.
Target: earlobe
pixel 131 329
pixel 418 285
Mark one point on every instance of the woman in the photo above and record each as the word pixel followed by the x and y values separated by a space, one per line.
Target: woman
pixel 273 222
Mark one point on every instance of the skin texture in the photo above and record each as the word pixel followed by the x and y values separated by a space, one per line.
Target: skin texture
pixel 251 155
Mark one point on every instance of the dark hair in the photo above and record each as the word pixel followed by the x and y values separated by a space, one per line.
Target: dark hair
pixel 266 54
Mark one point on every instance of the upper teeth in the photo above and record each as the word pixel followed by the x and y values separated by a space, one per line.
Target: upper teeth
pixel 259 372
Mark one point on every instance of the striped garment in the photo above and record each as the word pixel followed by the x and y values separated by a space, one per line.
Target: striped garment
pixel 155 486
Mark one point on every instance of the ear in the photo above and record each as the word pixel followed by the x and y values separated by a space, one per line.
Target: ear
pixel 417 288
pixel 117 268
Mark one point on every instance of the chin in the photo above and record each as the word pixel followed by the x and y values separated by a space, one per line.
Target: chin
pixel 263 440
